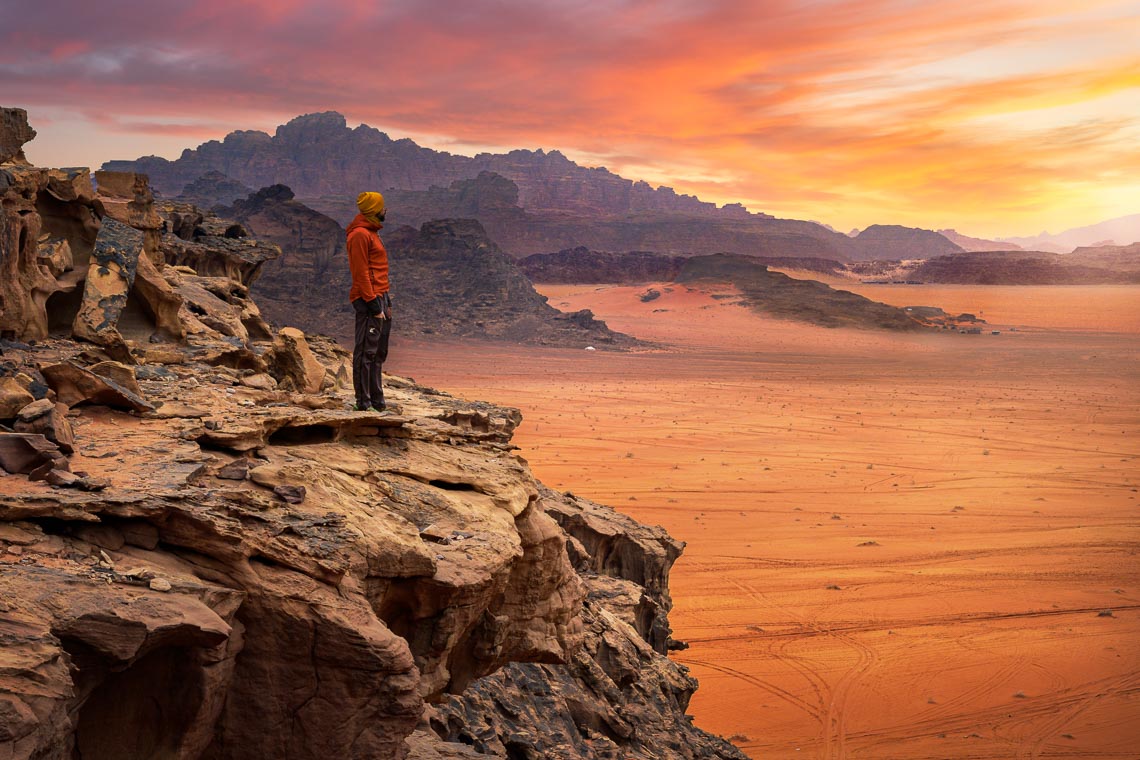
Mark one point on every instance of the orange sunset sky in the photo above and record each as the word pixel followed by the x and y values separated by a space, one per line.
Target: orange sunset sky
pixel 1002 117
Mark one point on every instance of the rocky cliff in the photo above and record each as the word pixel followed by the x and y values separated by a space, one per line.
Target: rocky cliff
pixel 205 555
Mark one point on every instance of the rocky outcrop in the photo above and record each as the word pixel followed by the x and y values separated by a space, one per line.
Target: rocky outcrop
pixel 781 296
pixel 890 242
pixel 456 281
pixel 1085 267
pixel 603 703
pixel 201 561
pixel 15 132
pixel 309 283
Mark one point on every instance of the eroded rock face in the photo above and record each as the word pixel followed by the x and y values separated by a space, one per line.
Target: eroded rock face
pixel 14 132
pixel 110 276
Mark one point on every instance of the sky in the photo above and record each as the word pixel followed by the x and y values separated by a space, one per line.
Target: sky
pixel 1007 117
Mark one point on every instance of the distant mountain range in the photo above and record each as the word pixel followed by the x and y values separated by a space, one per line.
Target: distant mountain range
pixel 535 201
pixel 528 201
pixel 1121 231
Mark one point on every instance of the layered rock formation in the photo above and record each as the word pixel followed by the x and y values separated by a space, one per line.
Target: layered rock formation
pixel 205 555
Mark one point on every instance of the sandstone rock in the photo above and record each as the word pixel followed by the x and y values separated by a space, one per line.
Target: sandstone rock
pixel 35 410
pixel 118 373
pixel 161 301
pixel 110 278
pixel 25 452
pixel 50 420
pixel 259 380
pixel 55 254
pixel 294 365
pixel 25 285
pixel 14 132
pixel 235 470
pixel 74 385
pixel 126 197
pixel 213 189
pixel 290 494
pixel 13 398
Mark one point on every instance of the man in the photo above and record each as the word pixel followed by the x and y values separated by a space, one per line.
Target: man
pixel 368 262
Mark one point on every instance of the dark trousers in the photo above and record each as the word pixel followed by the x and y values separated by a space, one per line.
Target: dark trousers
pixel 369 353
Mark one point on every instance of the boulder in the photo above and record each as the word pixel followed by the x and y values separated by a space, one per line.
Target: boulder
pixel 118 373
pixel 294 365
pixel 74 385
pixel 13 397
pixel 110 277
pixel 52 423
pixel 23 453
pixel 126 198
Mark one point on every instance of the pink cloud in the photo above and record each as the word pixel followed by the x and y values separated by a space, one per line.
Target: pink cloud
pixel 721 96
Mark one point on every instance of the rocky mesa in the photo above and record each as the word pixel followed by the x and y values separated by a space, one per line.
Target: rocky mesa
pixel 205 555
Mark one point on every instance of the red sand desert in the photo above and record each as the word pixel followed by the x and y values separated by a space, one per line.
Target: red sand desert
pixel 899 546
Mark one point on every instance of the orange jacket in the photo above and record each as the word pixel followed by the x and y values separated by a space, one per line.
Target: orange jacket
pixel 367 260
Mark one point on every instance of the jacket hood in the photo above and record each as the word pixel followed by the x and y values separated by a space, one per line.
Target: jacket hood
pixel 360 222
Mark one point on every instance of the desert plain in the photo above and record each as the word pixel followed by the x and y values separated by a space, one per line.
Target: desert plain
pixel 898 545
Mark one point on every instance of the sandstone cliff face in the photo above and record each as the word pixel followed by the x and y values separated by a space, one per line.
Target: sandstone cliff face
pixel 205 555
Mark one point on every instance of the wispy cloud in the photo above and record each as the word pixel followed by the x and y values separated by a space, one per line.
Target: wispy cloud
pixel 978 116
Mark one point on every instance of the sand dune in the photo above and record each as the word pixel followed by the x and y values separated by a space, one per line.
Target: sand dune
pixel 898 546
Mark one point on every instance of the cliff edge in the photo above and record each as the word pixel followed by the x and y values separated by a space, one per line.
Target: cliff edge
pixel 206 555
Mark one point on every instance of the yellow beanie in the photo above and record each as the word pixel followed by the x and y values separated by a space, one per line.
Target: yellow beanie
pixel 370 204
